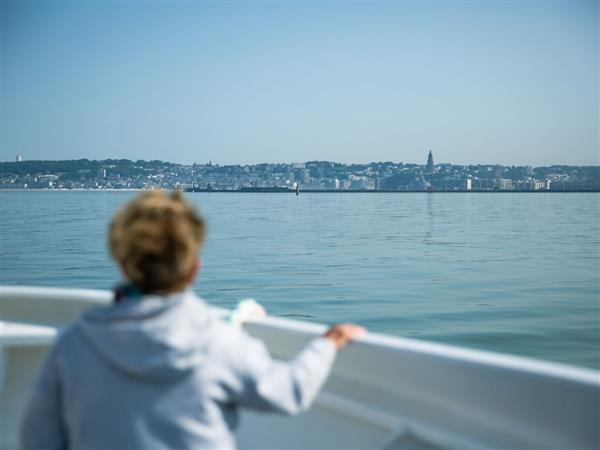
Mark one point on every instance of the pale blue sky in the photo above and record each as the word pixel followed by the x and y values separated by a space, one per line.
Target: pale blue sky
pixel 247 82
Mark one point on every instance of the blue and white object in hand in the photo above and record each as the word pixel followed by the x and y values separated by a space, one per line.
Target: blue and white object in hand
pixel 246 309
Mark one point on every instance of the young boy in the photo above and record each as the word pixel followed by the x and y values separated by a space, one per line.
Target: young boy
pixel 159 368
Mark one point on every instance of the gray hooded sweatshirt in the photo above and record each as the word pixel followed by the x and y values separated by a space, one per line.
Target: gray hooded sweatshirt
pixel 162 372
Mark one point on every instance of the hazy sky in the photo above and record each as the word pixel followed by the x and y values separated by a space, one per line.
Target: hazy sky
pixel 246 82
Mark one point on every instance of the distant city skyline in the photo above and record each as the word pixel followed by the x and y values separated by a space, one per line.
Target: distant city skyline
pixel 316 176
pixel 510 83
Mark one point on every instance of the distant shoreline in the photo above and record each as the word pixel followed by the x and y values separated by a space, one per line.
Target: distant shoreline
pixel 319 191
pixel 72 190
pixel 356 191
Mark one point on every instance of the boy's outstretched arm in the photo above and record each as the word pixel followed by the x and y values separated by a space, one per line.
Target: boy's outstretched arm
pixel 289 387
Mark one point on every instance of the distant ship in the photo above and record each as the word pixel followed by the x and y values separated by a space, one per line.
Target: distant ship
pixel 243 189
pixel 266 189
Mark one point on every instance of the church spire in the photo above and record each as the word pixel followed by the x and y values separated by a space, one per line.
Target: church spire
pixel 430 162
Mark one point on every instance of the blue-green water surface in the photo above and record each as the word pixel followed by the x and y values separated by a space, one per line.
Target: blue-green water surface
pixel 516 273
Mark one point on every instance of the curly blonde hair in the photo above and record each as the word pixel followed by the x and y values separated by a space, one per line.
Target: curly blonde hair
pixel 155 238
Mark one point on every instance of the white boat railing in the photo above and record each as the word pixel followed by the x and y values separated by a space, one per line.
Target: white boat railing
pixel 384 392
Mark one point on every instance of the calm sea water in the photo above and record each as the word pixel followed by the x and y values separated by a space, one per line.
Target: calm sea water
pixel 516 273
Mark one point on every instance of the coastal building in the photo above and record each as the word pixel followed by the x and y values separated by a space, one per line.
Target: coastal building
pixel 531 185
pixel 361 183
pixel 306 176
pixel 498 172
pixel 504 184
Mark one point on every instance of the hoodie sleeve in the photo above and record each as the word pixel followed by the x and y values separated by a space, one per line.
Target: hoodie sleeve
pixel 42 426
pixel 286 387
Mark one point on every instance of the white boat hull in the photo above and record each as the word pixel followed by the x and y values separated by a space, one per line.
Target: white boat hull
pixel 384 392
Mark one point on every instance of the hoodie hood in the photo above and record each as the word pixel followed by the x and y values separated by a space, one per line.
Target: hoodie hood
pixel 152 337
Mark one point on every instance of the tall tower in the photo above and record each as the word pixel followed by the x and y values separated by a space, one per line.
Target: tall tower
pixel 429 168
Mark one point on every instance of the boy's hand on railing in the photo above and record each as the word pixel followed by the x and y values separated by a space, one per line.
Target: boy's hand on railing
pixel 343 333
pixel 246 310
